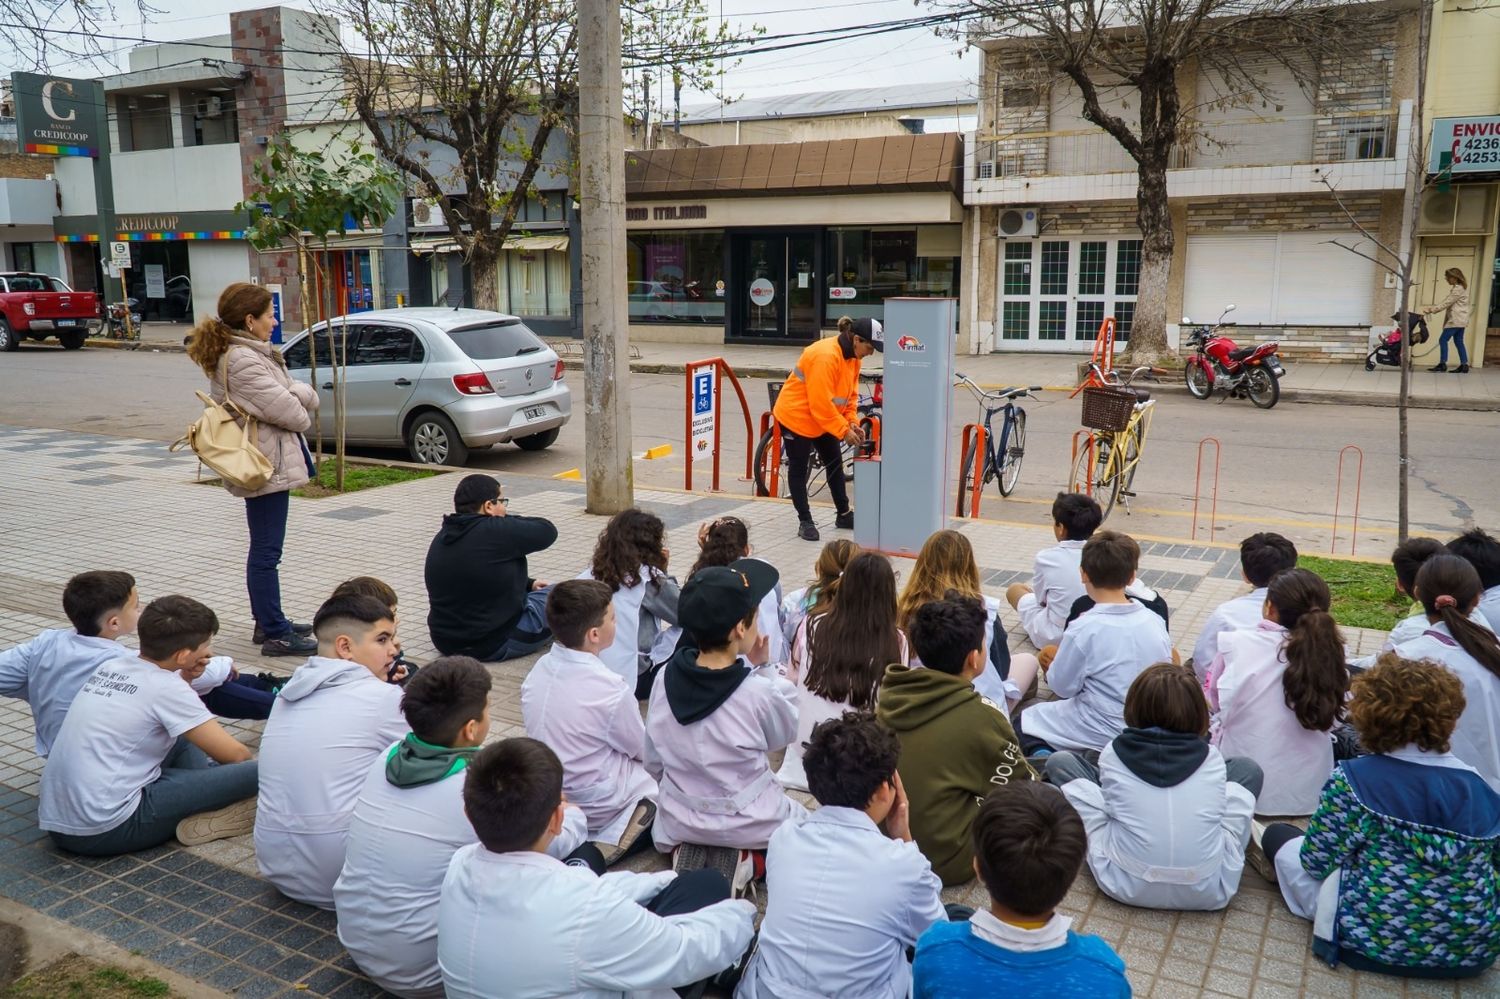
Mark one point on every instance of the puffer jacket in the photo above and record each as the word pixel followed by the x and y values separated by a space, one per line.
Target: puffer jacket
pixel 260 385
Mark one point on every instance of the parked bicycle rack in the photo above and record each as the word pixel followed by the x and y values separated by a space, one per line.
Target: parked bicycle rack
pixel 1088 481
pixel 722 370
pixel 1338 492
pixel 1213 518
pixel 768 422
pixel 972 432
pixel 1104 356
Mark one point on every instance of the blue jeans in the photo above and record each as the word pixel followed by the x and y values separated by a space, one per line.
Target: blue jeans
pixel 189 783
pixel 1455 334
pixel 243 697
pixel 530 633
pixel 266 516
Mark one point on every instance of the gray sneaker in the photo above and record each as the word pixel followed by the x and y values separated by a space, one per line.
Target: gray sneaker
pixel 808 531
pixel 237 819
pixel 289 645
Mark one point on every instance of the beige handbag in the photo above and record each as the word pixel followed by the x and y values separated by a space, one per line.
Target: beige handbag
pixel 225 444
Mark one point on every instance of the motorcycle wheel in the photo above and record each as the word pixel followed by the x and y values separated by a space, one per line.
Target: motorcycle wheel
pixel 1198 385
pixel 1263 388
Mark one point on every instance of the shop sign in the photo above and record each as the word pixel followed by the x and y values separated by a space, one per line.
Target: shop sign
pixel 1465 145
pixel 762 292
pixel 666 213
pixel 148 223
pixel 57 116
pixel 842 294
pixel 702 443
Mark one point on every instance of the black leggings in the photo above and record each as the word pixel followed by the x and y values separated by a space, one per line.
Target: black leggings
pixel 799 451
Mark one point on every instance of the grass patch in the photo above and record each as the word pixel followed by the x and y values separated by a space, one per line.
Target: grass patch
pixel 358 477
pixel 1364 593
pixel 74 977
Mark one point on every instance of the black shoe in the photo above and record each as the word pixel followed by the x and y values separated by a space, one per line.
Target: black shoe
pixel 290 645
pixel 808 531
pixel 1438 367
pixel 844 521
pixel 259 637
pixel 1462 369
pixel 273 681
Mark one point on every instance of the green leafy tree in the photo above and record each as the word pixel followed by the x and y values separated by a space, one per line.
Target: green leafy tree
pixel 303 197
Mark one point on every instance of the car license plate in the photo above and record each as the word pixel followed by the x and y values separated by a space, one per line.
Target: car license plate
pixel 67 322
pixel 534 413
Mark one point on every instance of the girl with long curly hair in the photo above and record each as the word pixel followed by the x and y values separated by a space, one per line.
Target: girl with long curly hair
pixel 630 557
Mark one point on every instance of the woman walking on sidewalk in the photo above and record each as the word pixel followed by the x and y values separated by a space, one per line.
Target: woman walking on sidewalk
pixel 235 352
pixel 1455 310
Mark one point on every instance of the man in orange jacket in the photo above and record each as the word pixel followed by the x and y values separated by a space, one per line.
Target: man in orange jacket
pixel 817 411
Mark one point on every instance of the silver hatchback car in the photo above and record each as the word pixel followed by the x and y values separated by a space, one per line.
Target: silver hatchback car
pixel 438 381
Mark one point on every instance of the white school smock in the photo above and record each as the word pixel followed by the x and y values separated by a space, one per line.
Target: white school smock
pixel 400 842
pixel 122 724
pixel 47 672
pixel 1244 611
pixel 1055 584
pixel 632 640
pixel 717 788
pixel 526 926
pixel 1476 740
pixel 845 901
pixel 588 715
pixel 1489 608
pixel 1099 657
pixel 328 724
pixel 1178 847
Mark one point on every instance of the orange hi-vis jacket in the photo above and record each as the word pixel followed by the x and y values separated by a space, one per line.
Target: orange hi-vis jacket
pixel 821 395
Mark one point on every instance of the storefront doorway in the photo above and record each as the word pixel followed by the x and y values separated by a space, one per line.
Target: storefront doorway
pixel 160 279
pixel 774 285
pixel 1055 293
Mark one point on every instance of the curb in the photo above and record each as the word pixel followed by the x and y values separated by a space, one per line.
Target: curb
pixel 164 347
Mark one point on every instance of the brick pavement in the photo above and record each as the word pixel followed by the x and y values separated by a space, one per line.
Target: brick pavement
pixel 72 502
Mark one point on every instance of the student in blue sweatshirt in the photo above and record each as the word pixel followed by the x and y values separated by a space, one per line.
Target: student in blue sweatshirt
pixel 1028 846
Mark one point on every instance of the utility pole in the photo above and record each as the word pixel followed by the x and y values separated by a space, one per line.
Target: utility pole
pixel 606 342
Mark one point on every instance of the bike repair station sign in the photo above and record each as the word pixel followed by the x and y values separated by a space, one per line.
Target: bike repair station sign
pixel 1465 145
pixel 705 384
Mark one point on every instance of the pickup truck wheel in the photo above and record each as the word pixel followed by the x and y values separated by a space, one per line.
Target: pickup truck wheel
pixel 8 338
pixel 72 341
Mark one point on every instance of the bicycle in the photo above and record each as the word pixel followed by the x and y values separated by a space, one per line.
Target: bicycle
pixel 1120 417
pixel 869 414
pixel 1003 452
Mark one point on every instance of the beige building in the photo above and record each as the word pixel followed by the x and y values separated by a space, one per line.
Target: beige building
pixel 834 114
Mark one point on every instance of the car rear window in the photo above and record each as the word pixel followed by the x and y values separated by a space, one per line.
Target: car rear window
pixel 496 341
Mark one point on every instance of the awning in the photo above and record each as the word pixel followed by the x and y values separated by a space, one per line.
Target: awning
pixel 436 245
pixel 528 244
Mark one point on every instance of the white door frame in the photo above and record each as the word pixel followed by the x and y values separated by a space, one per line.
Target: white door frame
pixel 1033 298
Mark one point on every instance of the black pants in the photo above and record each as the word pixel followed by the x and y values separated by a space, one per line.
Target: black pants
pixel 799 451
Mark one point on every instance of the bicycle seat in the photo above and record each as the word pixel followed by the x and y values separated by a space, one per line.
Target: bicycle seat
pixel 1141 395
pixel 1243 352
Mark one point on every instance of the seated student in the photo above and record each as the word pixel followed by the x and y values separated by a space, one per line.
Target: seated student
pixel 369 586
pixel 727 540
pixel 945 563
pixel 1044 605
pixel 1397 867
pixel 1028 846
pixel 1483 553
pixel 587 713
pixel 848 890
pixel 631 559
pixel 47 671
pixel 716 711
pixel 1162 765
pixel 130 766
pixel 955 744
pixel 1449 590
pixel 515 922
pixel 839 657
pixel 1278 692
pixel 799 605
pixel 1406 559
pixel 1262 556
pixel 1099 657
pixel 335 715
pixel 407 824
pixel 481 600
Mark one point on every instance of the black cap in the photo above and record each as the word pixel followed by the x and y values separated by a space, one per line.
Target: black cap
pixel 872 330
pixel 717 598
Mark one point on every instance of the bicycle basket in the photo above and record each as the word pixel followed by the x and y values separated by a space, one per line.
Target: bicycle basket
pixel 1107 409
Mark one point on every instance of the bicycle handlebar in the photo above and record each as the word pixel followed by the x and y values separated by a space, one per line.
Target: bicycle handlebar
pixel 1001 395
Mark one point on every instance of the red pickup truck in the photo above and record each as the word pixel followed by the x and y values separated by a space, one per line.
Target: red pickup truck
pixel 36 306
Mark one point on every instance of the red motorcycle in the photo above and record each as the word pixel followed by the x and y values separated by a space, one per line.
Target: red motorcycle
pixel 1217 363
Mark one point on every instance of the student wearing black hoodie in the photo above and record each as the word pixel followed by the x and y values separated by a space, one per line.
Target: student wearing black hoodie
pixel 481 601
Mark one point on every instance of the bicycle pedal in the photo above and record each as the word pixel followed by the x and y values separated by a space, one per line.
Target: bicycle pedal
pixel 1127 494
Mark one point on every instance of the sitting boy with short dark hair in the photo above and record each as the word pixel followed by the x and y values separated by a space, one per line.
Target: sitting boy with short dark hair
pixel 1262 556
pixel 1028 846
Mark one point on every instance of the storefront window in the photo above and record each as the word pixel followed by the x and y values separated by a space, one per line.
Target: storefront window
pixel 865 266
pixel 676 277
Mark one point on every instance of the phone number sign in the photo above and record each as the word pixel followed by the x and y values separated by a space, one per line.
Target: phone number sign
pixel 1466 145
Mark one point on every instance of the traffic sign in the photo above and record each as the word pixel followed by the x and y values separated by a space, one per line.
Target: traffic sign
pixel 119 254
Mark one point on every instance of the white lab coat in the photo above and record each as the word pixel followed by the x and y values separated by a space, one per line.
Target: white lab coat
pixel 1244 611
pixel 845 901
pixel 655 640
pixel 48 671
pixel 1055 584
pixel 1489 608
pixel 525 926
pixel 1476 740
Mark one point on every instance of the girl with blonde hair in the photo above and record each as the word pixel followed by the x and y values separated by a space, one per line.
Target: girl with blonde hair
pixel 1455 310
pixel 817 598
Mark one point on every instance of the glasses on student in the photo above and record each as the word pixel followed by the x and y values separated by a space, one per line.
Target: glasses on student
pixel 503 500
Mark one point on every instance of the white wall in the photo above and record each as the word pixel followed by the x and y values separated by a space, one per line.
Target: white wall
pixel 75 180
pixel 194 179
pixel 313 82
pixel 27 202
pixel 213 265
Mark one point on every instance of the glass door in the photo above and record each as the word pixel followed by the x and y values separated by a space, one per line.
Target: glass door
pixel 762 290
pixel 1055 293
pixel 801 282
pixel 775 285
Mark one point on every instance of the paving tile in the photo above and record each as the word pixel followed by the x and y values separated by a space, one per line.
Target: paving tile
pixel 327 981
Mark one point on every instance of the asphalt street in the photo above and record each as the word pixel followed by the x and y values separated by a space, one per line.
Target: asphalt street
pixel 1277 470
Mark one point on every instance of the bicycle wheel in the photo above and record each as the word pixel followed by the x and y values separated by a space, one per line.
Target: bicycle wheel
pixel 816 480
pixel 1097 478
pixel 968 470
pixel 1015 449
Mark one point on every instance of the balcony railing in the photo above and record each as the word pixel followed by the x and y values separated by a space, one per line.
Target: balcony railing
pixel 1245 142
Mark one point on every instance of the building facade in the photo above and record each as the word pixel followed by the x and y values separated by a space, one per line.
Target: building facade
pixel 908 109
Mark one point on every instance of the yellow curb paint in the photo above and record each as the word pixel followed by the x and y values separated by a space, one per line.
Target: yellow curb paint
pixel 572 474
pixel 660 451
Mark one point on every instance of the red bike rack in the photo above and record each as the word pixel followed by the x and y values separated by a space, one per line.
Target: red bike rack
pixel 1213 519
pixel 1088 436
pixel 975 433
pixel 1338 493
pixel 1104 356
pixel 773 481
pixel 722 370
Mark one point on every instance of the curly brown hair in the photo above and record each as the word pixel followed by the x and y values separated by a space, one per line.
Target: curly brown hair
pixel 632 539
pixel 1398 702
pixel 723 540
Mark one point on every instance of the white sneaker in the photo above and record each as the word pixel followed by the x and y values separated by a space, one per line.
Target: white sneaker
pixel 1255 856
pixel 737 866
pixel 237 819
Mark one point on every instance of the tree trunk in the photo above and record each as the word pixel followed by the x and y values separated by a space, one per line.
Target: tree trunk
pixel 1148 329
pixel 484 270
pixel 312 347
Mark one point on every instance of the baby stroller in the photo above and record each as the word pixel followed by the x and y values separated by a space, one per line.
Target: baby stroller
pixel 1388 351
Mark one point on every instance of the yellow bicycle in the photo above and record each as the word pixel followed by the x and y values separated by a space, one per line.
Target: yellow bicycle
pixel 1119 418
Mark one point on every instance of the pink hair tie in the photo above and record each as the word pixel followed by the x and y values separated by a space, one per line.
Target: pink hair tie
pixel 1444 601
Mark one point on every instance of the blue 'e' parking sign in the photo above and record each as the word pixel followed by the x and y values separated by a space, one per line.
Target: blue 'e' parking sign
pixel 703 393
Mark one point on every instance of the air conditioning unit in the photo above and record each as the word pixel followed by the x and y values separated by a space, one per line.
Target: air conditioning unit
pixel 211 107
pixel 1017 222
pixel 425 213
pixel 1462 210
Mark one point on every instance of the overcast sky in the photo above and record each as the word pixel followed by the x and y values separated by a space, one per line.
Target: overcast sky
pixel 911 56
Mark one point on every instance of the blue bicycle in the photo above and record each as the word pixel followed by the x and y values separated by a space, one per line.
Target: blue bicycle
pixel 1003 450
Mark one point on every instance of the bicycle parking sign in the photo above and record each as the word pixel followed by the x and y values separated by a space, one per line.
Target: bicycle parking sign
pixel 704 415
